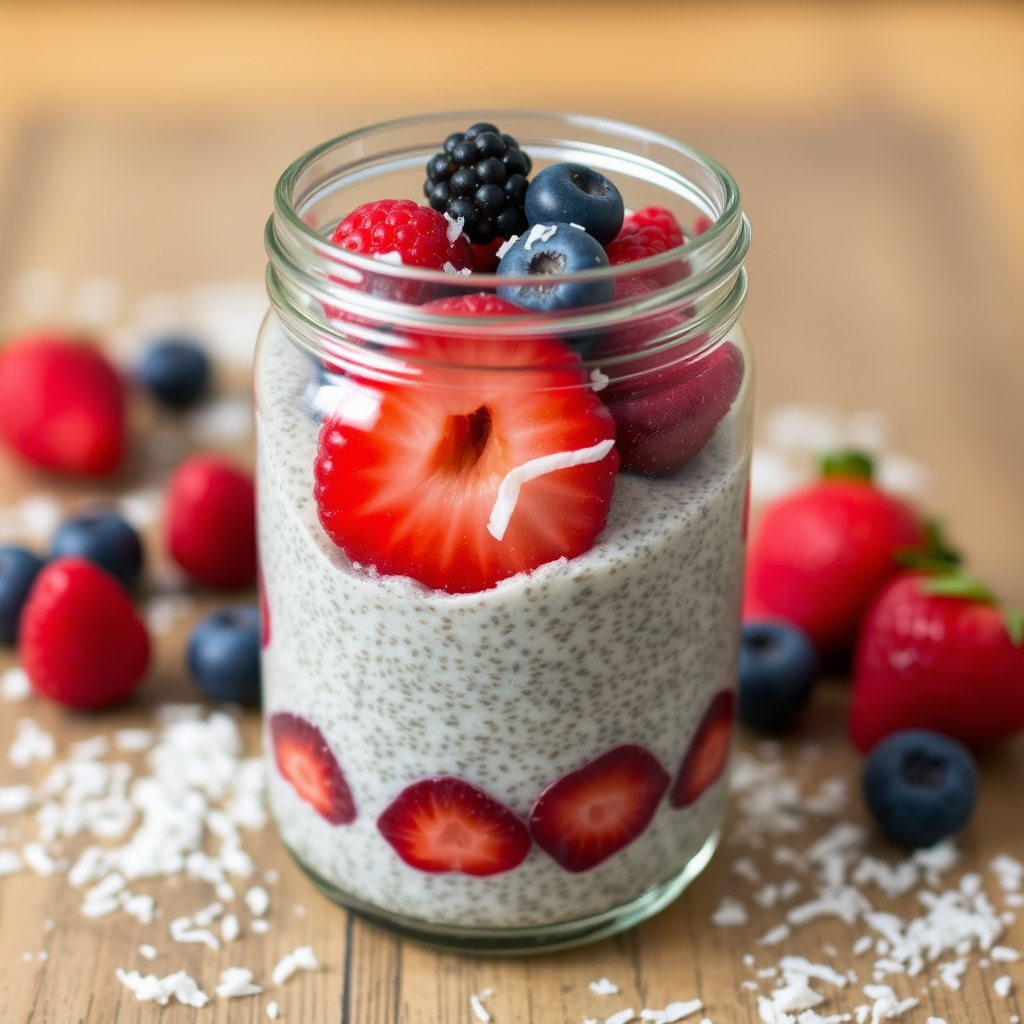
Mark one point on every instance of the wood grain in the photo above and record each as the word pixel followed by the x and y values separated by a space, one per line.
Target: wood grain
pixel 872 147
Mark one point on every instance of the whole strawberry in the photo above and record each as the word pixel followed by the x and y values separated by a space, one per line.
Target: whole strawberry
pixel 937 652
pixel 62 404
pixel 819 555
pixel 80 640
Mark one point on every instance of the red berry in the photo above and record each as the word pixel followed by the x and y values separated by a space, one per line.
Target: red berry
pixel 448 824
pixel 303 758
pixel 708 753
pixel 937 653
pixel 447 487
pixel 418 234
pixel 80 641
pixel 666 406
pixel 593 812
pixel 644 233
pixel 264 611
pixel 62 404
pixel 702 224
pixel 210 521
pixel 818 556
pixel 485 256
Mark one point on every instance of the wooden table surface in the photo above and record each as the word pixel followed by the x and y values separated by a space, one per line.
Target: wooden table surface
pixel 879 150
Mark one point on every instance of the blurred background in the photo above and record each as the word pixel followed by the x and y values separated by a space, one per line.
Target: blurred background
pixel 879 149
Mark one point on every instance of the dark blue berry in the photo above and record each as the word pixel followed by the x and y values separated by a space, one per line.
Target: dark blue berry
pixel 224 654
pixel 548 252
pixel 574 194
pixel 18 570
pixel 920 786
pixel 175 371
pixel 104 537
pixel 778 667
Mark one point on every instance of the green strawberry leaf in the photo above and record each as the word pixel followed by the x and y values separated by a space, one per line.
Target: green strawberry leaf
pixel 1013 619
pixel 847 465
pixel 933 556
pixel 957 584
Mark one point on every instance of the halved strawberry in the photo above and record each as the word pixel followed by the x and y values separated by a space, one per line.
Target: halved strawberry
pixel 666 406
pixel 708 753
pixel 307 762
pixel 264 610
pixel 495 458
pixel 448 824
pixel 588 814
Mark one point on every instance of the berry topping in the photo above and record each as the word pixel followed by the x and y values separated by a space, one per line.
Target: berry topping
pixel 937 652
pixel 175 371
pixel 708 753
pixel 305 760
pixel 819 555
pixel 80 641
pixel 778 666
pixel 62 405
pixel 480 178
pixel 647 232
pixel 593 812
pixel 574 194
pixel 19 568
pixel 448 824
pixel 548 252
pixel 210 521
pixel 224 654
pixel 104 537
pixel 264 612
pixel 666 406
pixel 486 467
pixel 919 786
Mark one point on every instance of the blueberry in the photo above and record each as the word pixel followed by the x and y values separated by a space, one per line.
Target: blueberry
pixel 175 370
pixel 549 251
pixel 575 194
pixel 104 537
pixel 920 786
pixel 778 667
pixel 224 654
pixel 18 570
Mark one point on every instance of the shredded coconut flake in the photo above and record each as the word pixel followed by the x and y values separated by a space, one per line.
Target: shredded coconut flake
pixel 730 913
pixel 622 1017
pixel 479 1010
pixel 1003 986
pixel 508 491
pixel 604 987
pixel 539 233
pixel 673 1012
pixel 301 958
pixel 14 684
pixel 236 982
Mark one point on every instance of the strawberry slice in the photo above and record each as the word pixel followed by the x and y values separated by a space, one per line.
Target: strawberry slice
pixel 306 761
pixel 588 814
pixel 708 753
pixel 666 406
pixel 495 458
pixel 448 824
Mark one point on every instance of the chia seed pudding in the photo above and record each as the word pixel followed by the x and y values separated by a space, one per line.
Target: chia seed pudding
pixel 509 688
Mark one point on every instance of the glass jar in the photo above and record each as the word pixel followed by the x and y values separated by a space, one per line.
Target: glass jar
pixel 501 552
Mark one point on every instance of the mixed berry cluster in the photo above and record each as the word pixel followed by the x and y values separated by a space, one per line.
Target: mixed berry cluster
pixel 425 493
pixel 71 610
pixel 446 824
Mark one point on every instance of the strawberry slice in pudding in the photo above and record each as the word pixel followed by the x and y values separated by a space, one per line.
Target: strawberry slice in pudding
pixel 708 753
pixel 447 824
pixel 493 459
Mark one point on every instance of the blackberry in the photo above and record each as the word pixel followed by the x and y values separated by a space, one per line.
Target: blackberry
pixel 480 176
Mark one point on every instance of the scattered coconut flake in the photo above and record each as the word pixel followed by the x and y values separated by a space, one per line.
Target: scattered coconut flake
pixel 133 740
pixel 236 982
pixel 604 987
pixel 539 233
pixel 775 935
pixel 730 913
pixel 900 474
pixel 622 1017
pixel 508 490
pixel 14 684
pixel 506 245
pixel 936 1020
pixel 746 868
pixel 10 863
pixel 598 380
pixel 454 228
pixel 147 952
pixel 183 930
pixel 257 899
pixel 15 798
pixel 40 514
pixel 39 860
pixel 795 997
pixel 260 926
pixel 273 1010
pixel 800 966
pixel 301 957
pixel 31 743
pixel 96 301
pixel 1004 954
pixel 150 988
pixel 220 421
pixel 299 910
pixel 1009 872
pixel 673 1012
pixel 229 928
pixel 142 508
pixel 479 1010
pixel 91 749
pixel 1003 986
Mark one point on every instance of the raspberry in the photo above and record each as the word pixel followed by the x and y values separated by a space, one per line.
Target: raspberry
pixel 644 233
pixel 416 233
pixel 480 178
